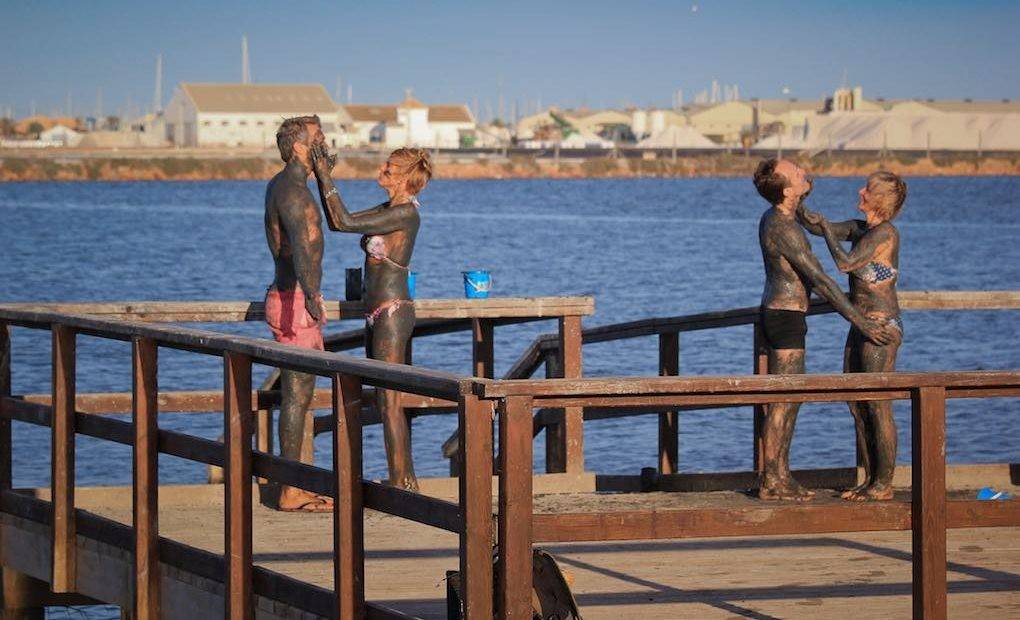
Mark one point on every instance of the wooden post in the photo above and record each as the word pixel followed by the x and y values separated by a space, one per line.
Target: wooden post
pixel 8 576
pixel 63 573
pixel 554 438
pixel 145 481
pixel 515 459
pixel 237 476
pixel 669 423
pixel 475 484
pixel 24 597
pixel 572 442
pixel 482 351
pixel 5 423
pixel 928 501
pixel 348 510
pixel 761 367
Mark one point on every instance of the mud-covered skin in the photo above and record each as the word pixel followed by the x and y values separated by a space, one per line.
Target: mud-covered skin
pixel 397 222
pixel 791 272
pixel 875 241
pixel 294 234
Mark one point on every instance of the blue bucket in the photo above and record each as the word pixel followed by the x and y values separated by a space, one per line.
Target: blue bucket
pixel 411 277
pixel 477 284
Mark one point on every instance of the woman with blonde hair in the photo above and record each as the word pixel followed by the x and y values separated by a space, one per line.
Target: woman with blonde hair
pixel 873 264
pixel 389 231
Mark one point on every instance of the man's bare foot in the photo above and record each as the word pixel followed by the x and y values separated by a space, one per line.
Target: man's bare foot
pixel 406 482
pixel 876 492
pixel 784 491
pixel 802 490
pixel 298 500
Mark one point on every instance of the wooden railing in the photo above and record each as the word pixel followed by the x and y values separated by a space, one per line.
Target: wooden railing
pixel 928 513
pixel 544 350
pixel 457 315
pixel 239 461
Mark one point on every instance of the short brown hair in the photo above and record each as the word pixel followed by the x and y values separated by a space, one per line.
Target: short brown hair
pixel 415 165
pixel 769 183
pixel 891 191
pixel 292 131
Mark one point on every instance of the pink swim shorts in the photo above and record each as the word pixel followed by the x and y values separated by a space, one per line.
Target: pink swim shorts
pixel 289 320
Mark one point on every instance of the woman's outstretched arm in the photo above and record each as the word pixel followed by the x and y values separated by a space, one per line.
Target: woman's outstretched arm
pixel 374 221
pixel 862 253
pixel 850 230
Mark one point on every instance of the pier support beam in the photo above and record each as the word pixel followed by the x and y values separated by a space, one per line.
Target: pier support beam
pixel 24 597
pixel 514 582
pixel 669 422
pixel 348 506
pixel 928 501
pixel 5 431
pixel 475 428
pixel 237 536
pixel 145 480
pixel 564 441
pixel 65 543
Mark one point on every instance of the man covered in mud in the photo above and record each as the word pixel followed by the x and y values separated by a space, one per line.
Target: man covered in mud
pixel 791 272
pixel 294 306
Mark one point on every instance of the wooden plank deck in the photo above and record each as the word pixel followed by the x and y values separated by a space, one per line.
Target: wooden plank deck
pixel 861 575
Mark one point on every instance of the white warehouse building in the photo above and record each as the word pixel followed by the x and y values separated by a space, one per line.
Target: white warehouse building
pixel 410 123
pixel 232 115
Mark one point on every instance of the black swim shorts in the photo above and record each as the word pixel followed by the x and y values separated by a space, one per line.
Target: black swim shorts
pixel 783 329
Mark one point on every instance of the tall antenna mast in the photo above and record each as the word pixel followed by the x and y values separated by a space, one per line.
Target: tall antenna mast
pixel 245 67
pixel 500 90
pixel 157 99
pixel 336 93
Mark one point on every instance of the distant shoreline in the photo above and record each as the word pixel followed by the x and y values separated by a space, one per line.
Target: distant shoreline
pixel 169 166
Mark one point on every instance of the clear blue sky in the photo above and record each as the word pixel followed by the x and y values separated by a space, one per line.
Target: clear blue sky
pixel 564 53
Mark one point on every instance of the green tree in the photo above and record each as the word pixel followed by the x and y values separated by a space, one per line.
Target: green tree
pixel 35 129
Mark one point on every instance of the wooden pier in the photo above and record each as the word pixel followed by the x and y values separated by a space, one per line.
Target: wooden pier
pixel 65 541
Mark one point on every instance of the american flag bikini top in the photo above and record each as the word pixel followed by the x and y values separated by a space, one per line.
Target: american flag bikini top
pixel 873 273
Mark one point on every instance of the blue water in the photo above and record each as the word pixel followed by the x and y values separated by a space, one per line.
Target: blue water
pixel 643 248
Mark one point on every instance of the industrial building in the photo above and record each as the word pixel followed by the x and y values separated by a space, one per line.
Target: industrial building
pixel 246 115
pixel 409 123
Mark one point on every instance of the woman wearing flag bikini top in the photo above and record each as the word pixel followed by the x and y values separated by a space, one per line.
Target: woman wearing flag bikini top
pixel 389 233
pixel 873 265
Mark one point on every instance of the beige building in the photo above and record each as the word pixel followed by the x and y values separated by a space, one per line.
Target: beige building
pixel 725 123
pixel 409 123
pixel 246 115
